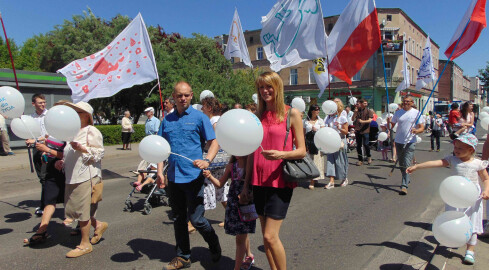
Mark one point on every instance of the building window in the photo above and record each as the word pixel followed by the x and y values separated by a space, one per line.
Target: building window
pixel 387 66
pixel 259 53
pixel 357 76
pixel 293 76
pixel 251 40
pixel 413 75
pixel 389 18
pixel 388 35
pixel 312 79
pixel 330 27
pixel 408 48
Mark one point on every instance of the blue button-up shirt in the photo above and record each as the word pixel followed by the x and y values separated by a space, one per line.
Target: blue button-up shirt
pixel 187 134
pixel 152 125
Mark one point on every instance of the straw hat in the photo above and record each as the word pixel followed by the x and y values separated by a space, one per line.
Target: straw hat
pixel 81 106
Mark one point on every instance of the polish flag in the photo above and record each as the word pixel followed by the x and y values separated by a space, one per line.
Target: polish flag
pixel 354 38
pixel 473 22
pixel 128 60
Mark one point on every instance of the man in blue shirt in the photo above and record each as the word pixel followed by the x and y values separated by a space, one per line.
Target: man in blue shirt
pixel 187 131
pixel 152 123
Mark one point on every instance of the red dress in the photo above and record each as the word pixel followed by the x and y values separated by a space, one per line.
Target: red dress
pixel 268 173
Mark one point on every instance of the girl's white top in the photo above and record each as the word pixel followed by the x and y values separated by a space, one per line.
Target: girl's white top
pixel 214 119
pixel 318 124
pixel 332 121
pixel 469 170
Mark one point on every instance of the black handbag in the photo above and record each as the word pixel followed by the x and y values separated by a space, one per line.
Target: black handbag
pixel 298 170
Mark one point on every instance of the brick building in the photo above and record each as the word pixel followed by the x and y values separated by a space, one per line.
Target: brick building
pixel 397 29
pixel 453 86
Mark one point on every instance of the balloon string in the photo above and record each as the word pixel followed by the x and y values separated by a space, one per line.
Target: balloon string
pixel 28 129
pixel 262 148
pixel 181 156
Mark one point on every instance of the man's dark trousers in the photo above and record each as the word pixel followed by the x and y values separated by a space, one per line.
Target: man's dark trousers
pixel 187 203
pixel 362 139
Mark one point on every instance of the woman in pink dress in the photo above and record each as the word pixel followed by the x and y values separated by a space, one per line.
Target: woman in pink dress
pixel 271 193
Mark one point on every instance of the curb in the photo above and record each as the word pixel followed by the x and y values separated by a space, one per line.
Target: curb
pixel 439 259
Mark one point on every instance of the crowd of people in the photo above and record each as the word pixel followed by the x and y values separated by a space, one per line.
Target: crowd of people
pixel 70 173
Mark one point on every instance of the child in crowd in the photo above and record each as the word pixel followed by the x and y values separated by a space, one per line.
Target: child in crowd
pixel 233 225
pixel 384 146
pixel 464 164
pixel 149 178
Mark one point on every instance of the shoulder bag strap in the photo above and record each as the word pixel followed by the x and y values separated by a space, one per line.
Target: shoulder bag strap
pixel 288 127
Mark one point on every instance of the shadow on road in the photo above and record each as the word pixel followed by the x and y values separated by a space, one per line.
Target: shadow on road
pixel 422 225
pixel 17 217
pixel 5 231
pixel 24 205
pixel 424 250
pixel 374 186
pixel 392 266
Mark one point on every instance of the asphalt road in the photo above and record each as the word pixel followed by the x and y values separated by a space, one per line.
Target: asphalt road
pixel 365 225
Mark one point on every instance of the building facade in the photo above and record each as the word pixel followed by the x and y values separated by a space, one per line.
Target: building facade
pixel 397 30
pixel 453 86
pixel 478 96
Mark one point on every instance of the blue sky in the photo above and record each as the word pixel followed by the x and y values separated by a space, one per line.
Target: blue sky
pixel 25 18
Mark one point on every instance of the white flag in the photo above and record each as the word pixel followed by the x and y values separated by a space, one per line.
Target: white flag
pixel 426 73
pixel 126 61
pixel 405 72
pixel 236 46
pixel 293 32
pixel 320 69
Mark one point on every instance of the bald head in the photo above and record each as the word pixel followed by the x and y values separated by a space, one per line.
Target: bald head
pixel 182 94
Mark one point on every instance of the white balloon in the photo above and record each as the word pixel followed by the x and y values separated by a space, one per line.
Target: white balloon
pixel 353 100
pixel 485 109
pixel 393 107
pixel 379 120
pixel 485 123
pixel 198 107
pixel 418 139
pixel 206 93
pixel 382 136
pixel 299 104
pixel 483 114
pixel 329 107
pixel 26 127
pixel 255 98
pixel 154 149
pixel 327 140
pixel 452 229
pixel 12 103
pixel 239 132
pixel 458 191
pixel 62 122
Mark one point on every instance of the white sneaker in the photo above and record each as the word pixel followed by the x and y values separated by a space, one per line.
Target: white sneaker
pixel 344 183
pixel 329 186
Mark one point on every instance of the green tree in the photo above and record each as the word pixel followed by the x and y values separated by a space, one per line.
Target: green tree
pixel 484 76
pixel 4 54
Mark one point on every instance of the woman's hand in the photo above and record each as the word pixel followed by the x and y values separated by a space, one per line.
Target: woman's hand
pixel 42 147
pixel 272 154
pixel 411 169
pixel 78 146
pixel 314 128
pixel 59 165
pixel 244 195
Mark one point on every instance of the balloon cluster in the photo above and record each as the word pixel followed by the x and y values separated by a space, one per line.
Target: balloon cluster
pixel 453 228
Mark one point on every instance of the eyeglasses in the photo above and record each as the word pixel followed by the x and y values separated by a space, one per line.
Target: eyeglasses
pixel 316 109
pixel 407 101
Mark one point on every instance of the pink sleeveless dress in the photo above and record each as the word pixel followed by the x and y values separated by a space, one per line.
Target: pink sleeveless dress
pixel 268 173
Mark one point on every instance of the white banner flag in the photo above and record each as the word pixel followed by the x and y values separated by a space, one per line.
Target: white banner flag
pixel 293 32
pixel 128 60
pixel 405 71
pixel 320 69
pixel 236 46
pixel 426 73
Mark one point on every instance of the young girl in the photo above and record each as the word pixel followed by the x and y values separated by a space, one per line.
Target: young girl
pixel 464 164
pixel 384 146
pixel 233 225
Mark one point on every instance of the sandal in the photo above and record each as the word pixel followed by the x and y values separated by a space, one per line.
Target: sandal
pixel 37 238
pixel 139 187
pixel 469 258
pixel 78 251
pixel 99 231
pixel 247 263
pixel 135 184
pixel 329 186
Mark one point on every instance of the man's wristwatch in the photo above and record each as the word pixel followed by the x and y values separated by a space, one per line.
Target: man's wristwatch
pixel 206 159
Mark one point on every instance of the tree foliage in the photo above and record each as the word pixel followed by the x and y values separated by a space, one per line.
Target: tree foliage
pixel 484 76
pixel 198 60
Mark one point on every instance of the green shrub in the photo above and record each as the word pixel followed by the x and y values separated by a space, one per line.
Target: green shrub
pixel 112 133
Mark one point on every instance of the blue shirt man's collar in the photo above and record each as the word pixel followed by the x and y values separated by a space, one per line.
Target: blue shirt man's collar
pixel 189 110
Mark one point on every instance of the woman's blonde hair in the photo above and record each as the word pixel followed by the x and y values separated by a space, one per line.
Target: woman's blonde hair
pixel 274 80
pixel 340 105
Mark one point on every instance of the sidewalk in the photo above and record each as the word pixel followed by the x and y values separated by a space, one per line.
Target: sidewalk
pixel 21 158
pixel 451 258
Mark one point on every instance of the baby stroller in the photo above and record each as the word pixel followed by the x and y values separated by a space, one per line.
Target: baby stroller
pixel 152 199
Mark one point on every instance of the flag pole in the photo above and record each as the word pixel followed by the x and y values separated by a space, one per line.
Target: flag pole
pixel 432 91
pixel 329 83
pixel 385 74
pixel 9 51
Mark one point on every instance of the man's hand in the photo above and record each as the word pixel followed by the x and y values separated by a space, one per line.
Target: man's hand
pixel 29 142
pixel 272 154
pixel 42 147
pixel 160 179
pixel 207 173
pixel 201 164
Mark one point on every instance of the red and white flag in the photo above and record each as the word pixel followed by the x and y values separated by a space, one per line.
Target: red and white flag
pixel 473 22
pixel 354 38
pixel 128 60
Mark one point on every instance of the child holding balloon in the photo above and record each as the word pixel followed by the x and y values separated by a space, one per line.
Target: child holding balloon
pixel 464 164
pixel 233 222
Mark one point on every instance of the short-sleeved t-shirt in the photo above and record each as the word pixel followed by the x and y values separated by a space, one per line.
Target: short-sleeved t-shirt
pixel 453 116
pixel 332 119
pixel 405 120
pixel 186 134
